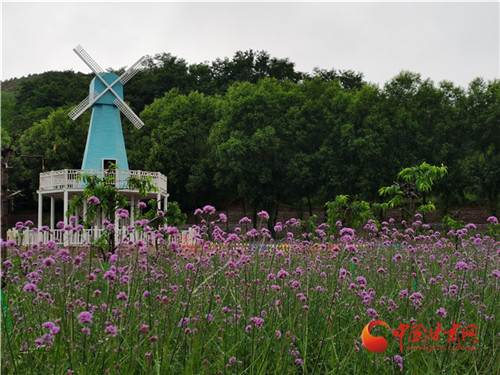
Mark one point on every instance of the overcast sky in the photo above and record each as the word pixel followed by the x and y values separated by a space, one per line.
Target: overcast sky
pixel 454 41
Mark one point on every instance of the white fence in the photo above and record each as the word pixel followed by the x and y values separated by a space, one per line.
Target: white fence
pixel 29 237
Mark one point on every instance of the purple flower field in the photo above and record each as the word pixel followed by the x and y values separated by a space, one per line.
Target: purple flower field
pixel 245 303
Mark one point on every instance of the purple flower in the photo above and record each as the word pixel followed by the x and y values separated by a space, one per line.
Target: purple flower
pixel 48 325
pixel 416 295
pixel 372 312
pixel 347 231
pixel 223 218
pixel 30 287
pixel 361 280
pixel 441 312
pixel 141 205
pixel 397 257
pixel 85 317
pixel 122 296
pixel 461 266
pixel 122 213
pixel 264 215
pixel 282 274
pixel 209 209
pixel 112 330
pixel 257 321
pixel 253 233
pixel 399 360
pixel 47 262
pixel 492 220
pixel 93 199
pixel 342 273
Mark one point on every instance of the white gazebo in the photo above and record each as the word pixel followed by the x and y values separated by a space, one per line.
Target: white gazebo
pixel 65 184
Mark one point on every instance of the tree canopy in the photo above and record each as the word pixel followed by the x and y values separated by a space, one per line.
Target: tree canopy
pixel 252 129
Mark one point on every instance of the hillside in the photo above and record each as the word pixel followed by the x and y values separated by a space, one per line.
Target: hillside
pixel 253 128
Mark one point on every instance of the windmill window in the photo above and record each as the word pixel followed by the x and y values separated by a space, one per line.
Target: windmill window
pixel 108 163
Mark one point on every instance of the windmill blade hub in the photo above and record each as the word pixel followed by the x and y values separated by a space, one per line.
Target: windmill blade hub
pixel 97 87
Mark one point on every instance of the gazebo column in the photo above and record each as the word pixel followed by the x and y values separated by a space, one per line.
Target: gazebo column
pixel 117 229
pixel 65 207
pixel 40 215
pixel 132 210
pixel 84 209
pixel 158 201
pixel 40 209
pixel 52 213
pixel 165 203
pixel 65 218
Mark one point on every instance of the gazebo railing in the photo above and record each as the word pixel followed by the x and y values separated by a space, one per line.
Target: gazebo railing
pixel 69 178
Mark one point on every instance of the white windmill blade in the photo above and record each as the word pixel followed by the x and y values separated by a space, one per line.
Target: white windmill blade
pixel 125 109
pixel 84 105
pixel 80 108
pixel 132 71
pixel 88 60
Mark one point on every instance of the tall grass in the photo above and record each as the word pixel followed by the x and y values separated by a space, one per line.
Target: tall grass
pixel 241 303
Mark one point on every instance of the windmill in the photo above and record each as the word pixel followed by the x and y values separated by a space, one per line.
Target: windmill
pixel 105 143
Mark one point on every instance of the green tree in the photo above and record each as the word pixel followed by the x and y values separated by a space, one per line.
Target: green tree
pixel 351 214
pixel 251 142
pixel 347 78
pixel 252 66
pixel 40 94
pixel 411 188
pixel 481 164
pixel 177 144
pixel 57 140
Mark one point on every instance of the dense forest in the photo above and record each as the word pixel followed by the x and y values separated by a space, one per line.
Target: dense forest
pixel 252 130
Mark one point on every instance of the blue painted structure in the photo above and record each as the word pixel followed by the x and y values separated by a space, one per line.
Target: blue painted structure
pixel 105 136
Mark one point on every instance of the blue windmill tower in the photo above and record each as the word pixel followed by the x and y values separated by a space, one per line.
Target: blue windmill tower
pixel 105 146
pixel 105 143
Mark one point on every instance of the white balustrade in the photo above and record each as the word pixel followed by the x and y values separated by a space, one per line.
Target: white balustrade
pixel 29 237
pixel 69 179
